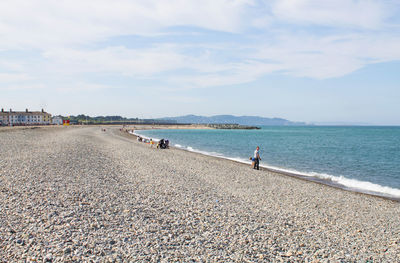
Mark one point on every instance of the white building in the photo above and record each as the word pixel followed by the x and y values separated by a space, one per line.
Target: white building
pixel 16 118
pixel 57 120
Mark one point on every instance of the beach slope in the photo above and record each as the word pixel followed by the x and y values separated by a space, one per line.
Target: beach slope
pixel 81 194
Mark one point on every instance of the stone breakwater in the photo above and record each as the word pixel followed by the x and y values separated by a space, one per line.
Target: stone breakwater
pixel 80 194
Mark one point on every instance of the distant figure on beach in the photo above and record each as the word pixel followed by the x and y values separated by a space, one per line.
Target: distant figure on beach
pixel 160 142
pixel 151 143
pixel 257 158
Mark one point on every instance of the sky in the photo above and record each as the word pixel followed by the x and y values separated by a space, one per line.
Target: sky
pixel 302 60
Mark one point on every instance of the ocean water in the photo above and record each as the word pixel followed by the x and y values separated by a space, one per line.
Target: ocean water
pixel 365 159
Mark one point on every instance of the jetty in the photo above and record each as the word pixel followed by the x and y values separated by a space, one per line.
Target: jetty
pixel 232 127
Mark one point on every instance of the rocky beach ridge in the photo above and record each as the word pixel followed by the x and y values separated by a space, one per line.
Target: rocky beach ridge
pixel 82 194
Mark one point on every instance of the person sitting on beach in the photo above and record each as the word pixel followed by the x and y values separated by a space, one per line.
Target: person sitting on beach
pixel 257 158
pixel 167 144
pixel 160 143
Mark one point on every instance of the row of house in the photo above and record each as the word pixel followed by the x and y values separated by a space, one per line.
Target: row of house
pixel 16 118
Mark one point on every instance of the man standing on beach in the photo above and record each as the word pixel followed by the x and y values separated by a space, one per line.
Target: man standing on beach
pixel 257 158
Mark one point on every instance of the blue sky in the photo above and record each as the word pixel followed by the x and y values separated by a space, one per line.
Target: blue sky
pixel 303 60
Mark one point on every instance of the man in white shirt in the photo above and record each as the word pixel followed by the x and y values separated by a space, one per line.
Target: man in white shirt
pixel 257 158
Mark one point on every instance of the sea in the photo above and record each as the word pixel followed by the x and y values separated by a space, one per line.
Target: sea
pixel 359 158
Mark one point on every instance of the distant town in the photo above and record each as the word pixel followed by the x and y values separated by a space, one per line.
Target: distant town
pixel 33 118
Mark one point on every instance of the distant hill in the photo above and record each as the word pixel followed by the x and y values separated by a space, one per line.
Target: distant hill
pixel 242 120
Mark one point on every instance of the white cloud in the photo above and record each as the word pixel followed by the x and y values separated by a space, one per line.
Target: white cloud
pixel 326 57
pixel 344 13
pixel 13 87
pixel 46 23
pixel 13 77
pixel 229 74
pixel 82 86
pixel 121 60
pixel 267 38
pixel 204 70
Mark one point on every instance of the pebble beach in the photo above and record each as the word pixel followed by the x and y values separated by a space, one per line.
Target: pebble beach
pixel 79 194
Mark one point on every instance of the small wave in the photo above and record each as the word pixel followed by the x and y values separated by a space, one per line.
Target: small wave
pixel 344 182
pixel 213 154
pixel 367 186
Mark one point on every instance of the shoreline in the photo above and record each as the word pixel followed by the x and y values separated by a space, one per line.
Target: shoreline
pixel 293 174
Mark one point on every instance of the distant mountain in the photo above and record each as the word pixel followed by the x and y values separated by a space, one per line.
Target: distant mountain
pixel 241 120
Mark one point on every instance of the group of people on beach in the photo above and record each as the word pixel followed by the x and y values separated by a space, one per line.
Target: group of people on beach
pixel 161 144
pixel 145 140
pixel 164 144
